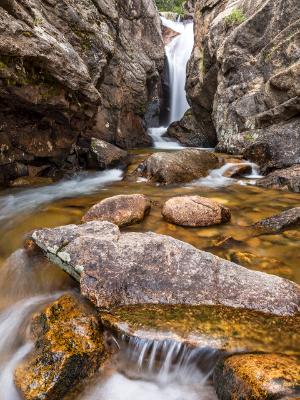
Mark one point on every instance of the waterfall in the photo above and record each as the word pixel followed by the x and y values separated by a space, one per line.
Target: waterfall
pixel 178 52
pixel 160 370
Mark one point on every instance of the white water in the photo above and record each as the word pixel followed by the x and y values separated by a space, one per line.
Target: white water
pixel 29 199
pixel 178 52
pixel 217 178
pixel 160 370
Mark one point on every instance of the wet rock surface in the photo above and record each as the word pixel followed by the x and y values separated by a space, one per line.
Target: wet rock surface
pixel 192 133
pixel 258 376
pixel 195 211
pixel 286 179
pixel 221 328
pixel 120 210
pixel 117 268
pixel 280 222
pixel 68 348
pixel 64 66
pixel 244 74
pixel 179 166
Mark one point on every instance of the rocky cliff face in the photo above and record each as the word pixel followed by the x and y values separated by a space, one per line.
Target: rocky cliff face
pixel 70 69
pixel 245 74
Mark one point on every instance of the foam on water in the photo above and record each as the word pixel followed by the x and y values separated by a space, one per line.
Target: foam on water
pixel 217 178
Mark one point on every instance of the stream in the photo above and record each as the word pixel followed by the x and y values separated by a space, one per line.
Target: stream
pixel 27 286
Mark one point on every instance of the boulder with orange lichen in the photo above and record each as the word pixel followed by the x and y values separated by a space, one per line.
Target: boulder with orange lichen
pixel 258 376
pixel 69 347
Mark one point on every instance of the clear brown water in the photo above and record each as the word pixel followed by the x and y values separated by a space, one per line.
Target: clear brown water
pixel 22 280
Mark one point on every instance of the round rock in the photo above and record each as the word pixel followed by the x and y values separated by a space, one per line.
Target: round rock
pixel 121 210
pixel 195 211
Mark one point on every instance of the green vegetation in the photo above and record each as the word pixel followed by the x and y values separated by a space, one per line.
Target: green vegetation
pixel 236 17
pixel 176 6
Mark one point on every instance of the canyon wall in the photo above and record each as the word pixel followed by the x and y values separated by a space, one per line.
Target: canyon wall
pixel 245 75
pixel 71 70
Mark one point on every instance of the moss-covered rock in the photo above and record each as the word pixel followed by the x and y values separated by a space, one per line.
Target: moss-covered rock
pixel 221 328
pixel 68 348
pixel 258 376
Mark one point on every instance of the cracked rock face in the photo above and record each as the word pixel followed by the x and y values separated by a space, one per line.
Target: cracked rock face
pixel 117 268
pixel 195 211
pixel 74 67
pixel 244 72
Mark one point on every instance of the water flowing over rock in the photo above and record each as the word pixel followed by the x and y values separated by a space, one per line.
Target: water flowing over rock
pixel 117 268
pixel 120 210
pixel 195 211
pixel 69 347
pixel 258 376
pixel 180 166
pixel 244 73
pixel 87 68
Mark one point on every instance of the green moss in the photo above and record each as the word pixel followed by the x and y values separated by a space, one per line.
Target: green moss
pixel 27 33
pixel 249 137
pixel 176 6
pixel 236 17
pixel 2 65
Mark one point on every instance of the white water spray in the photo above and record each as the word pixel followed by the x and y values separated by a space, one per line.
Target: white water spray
pixel 160 370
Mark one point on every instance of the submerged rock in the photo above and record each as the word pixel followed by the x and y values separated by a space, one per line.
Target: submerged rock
pixel 179 166
pixel 117 268
pixel 260 263
pixel 195 211
pixel 120 210
pixel 69 347
pixel 221 328
pixel 286 179
pixel 258 376
pixel 280 222
pixel 189 132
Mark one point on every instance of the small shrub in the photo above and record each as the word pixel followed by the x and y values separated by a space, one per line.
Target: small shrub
pixel 236 17
pixel 176 6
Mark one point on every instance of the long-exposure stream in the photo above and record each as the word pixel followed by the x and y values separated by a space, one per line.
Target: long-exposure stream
pixel 141 368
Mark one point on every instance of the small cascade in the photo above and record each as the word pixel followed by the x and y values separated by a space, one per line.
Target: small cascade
pixel 28 199
pixel 218 179
pixel 178 52
pixel 160 370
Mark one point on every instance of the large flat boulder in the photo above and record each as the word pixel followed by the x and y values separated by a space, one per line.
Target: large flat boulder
pixel 179 166
pixel 117 268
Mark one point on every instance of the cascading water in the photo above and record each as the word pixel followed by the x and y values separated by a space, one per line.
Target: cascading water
pixel 160 370
pixel 178 52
